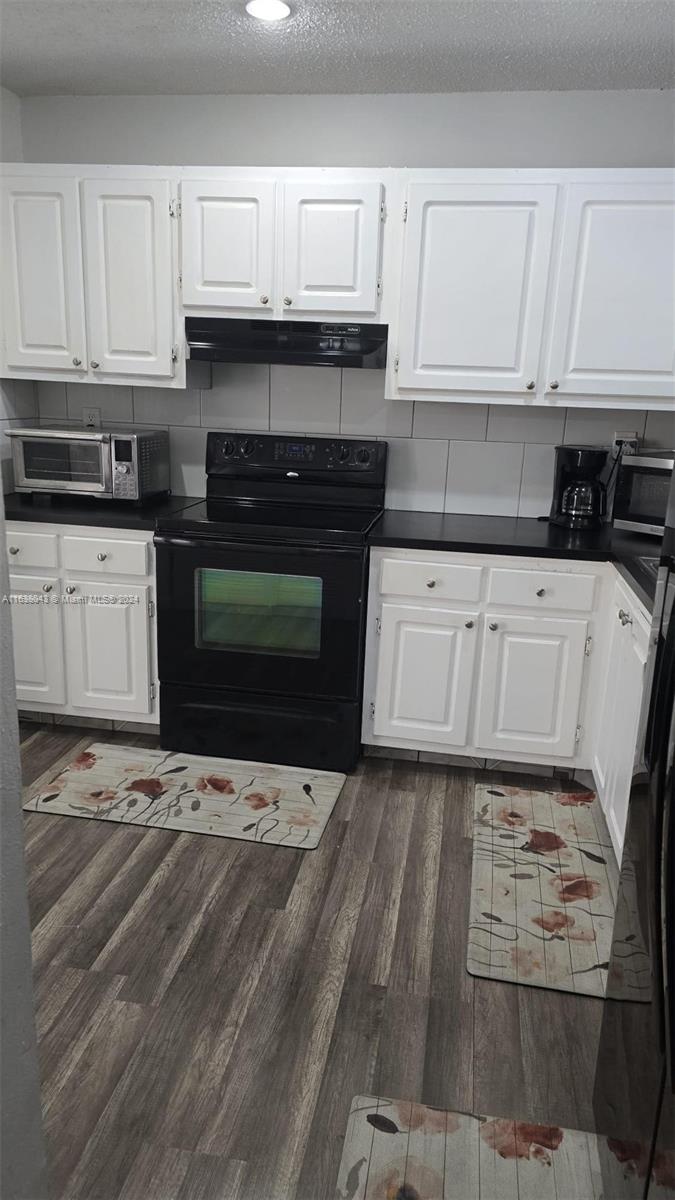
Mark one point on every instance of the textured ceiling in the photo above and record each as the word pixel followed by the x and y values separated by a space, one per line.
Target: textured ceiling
pixel 213 46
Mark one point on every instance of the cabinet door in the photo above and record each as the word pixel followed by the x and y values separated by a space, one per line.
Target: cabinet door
pixel 475 275
pixel 425 674
pixel 228 243
pixel 108 647
pixel 38 639
pixel 332 246
pixel 614 321
pixel 530 685
pixel 42 283
pixel 129 276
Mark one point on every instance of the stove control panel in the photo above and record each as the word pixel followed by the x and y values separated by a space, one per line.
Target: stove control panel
pixel 254 452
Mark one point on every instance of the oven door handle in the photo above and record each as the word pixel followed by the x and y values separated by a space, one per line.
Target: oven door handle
pixel 217 544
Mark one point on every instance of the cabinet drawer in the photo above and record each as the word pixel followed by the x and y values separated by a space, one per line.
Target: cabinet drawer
pixel 450 581
pixel 112 556
pixel 32 549
pixel 541 589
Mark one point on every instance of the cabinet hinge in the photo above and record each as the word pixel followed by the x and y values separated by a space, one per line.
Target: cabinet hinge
pixel 153 691
pixel 175 208
pixel 378 625
pixel 578 735
pixel 180 280
pixel 405 211
pixel 151 608
pixel 396 363
pixel 379 286
pixel 383 211
pixel 372 708
pixel 174 353
pixel 587 647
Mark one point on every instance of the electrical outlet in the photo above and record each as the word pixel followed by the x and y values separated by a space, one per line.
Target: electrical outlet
pixel 91 417
pixel 629 442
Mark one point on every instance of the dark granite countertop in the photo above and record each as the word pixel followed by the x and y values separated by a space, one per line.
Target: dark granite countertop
pixel 112 514
pixel 518 535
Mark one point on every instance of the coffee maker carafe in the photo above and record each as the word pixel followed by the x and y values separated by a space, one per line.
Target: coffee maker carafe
pixel 579 495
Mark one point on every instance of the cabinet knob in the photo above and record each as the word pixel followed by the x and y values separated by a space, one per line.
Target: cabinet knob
pixel 624 617
pixel 14 549
pixel 288 301
pixel 493 625
pixel 101 556
pixel 431 583
pixel 70 589
pixel 264 299
pixel 541 592
pixel 46 587
pixel 77 362
pixel 554 385
pixel 531 385
pixel 468 624
pixel 94 364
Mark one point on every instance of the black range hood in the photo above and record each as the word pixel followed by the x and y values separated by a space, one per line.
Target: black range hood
pixel 305 343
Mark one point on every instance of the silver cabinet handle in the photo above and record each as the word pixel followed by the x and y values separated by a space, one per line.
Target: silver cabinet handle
pixel 493 625
pixel 70 589
pixel 531 385
pixel 101 556
pixel 94 364
pixel 431 583
pixel 77 362
pixel 14 549
pixel 624 617
pixel 288 301
pixel 468 624
pixel 541 592
pixel 264 299
pixel 554 385
pixel 46 587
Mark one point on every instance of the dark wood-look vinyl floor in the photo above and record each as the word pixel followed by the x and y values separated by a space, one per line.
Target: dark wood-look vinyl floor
pixel 208 1008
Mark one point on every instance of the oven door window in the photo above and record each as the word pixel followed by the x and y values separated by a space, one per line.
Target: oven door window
pixel 255 612
pixel 62 462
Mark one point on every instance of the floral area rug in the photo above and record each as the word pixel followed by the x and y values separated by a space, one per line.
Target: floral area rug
pixel 258 802
pixel 543 891
pixel 397 1150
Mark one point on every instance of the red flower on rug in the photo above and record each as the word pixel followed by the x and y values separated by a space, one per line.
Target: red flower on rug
pixel 97 797
pixel 152 788
pixel 258 800
pixel 303 820
pixel 510 817
pixel 520 1139
pixel 570 888
pixel 541 841
pixel 83 762
pixel 215 783
pixel 575 799
pixel 559 922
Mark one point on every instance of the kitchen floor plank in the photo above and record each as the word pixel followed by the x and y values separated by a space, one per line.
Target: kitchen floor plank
pixel 219 1004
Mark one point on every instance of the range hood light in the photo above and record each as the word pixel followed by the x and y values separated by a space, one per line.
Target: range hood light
pixel 268 10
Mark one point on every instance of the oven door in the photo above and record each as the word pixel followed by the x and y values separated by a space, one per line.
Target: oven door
pixel 279 619
pixel 47 460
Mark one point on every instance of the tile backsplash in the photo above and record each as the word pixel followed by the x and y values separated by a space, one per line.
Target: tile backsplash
pixel 443 457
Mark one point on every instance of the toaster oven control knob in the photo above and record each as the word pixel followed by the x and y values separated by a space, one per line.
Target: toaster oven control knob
pixel 122 468
pixel 363 456
pixel 247 447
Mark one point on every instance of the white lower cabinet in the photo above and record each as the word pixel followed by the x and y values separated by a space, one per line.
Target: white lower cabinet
pixel 84 644
pixel 38 639
pixel 425 673
pixel 530 684
pixel 107 647
pixel 614 757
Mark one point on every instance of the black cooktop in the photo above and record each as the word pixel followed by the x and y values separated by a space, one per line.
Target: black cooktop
pixel 277 522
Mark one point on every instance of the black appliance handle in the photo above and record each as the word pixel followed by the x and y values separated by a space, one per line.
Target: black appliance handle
pixel 177 541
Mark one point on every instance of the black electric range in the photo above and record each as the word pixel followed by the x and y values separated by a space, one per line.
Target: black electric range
pixel 261 595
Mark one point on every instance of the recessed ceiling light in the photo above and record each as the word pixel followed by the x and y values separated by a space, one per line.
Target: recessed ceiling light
pixel 268 10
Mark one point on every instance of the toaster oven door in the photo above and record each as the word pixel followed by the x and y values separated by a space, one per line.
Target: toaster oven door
pixel 73 461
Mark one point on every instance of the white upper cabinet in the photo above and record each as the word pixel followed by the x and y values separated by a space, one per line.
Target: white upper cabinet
pixel 473 292
pixel 331 256
pixel 228 242
pixel 128 274
pixel 614 323
pixel 42 290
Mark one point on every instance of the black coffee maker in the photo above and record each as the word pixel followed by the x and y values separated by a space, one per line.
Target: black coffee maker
pixel 579 495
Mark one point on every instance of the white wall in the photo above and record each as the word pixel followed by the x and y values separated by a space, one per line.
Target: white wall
pixel 603 129
pixel 11 149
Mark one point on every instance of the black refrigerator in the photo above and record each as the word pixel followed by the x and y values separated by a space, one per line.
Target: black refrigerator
pixel 634 1091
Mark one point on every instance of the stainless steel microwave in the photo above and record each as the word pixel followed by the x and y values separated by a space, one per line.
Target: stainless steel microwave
pixel 113 464
pixel 642 491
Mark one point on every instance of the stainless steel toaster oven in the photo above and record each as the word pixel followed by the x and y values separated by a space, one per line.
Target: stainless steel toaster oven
pixel 113 464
